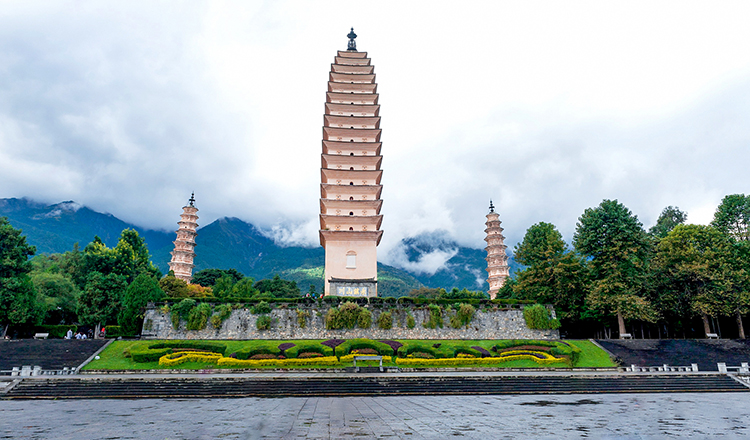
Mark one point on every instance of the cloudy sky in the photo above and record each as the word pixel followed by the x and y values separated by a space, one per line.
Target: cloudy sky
pixel 545 107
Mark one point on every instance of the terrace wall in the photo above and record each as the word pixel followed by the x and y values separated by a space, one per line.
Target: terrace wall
pixel 486 324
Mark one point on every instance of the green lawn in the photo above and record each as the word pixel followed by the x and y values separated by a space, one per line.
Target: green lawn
pixel 114 356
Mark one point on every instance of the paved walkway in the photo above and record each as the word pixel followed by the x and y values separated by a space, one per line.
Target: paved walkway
pixel 622 416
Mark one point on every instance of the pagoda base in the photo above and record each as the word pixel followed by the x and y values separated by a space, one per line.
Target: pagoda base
pixel 367 288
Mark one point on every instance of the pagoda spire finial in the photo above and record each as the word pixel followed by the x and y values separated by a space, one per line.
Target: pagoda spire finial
pixel 492 207
pixel 352 44
pixel 192 199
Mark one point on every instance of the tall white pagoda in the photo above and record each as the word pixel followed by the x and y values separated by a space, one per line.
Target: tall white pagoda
pixel 350 176
pixel 184 253
pixel 497 259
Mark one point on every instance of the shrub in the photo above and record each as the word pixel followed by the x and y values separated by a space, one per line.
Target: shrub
pixel 263 322
pixel 221 314
pixel 174 359
pixel 385 321
pixel 353 344
pixel 302 316
pixel 198 317
pixel 181 310
pixel 260 347
pixel 152 352
pixel 261 308
pixel 347 315
pixel 364 318
pixel 309 348
pixel 463 316
pixel 436 317
pixel 410 322
pixel 538 317
pixel 256 363
pixel 57 331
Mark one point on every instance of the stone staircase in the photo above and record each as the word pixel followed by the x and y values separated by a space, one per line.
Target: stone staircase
pixel 189 387
pixel 50 354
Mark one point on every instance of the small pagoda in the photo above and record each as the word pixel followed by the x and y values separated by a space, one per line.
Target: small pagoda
pixel 350 176
pixel 497 259
pixel 183 253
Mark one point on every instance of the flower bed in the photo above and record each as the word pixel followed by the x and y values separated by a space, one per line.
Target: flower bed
pixel 327 361
pixel 173 359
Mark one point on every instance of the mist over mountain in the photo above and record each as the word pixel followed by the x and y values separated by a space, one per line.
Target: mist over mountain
pixel 430 259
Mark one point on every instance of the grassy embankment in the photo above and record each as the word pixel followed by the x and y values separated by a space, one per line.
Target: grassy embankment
pixel 115 357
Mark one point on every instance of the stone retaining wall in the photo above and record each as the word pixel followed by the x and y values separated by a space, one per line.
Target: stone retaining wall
pixel 486 324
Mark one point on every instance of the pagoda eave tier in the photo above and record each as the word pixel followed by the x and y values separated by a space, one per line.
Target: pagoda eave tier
pixel 350 205
pixel 352 109
pixel 365 177
pixel 351 134
pixel 345 162
pixel 330 191
pixel 351 54
pixel 349 87
pixel 351 61
pixel 352 98
pixel 366 236
pixel 352 148
pixel 366 122
pixel 340 68
pixel 352 78
pixel 372 222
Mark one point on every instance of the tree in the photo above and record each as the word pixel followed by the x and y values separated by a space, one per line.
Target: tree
pixel 541 244
pixel 278 288
pixel 174 287
pixel 732 217
pixel 132 257
pixel 139 293
pixel 244 288
pixel 59 294
pixel 100 300
pixel 669 218
pixel 223 286
pixel 17 297
pixel 209 277
pixel 691 264
pixel 614 240
pixel 553 274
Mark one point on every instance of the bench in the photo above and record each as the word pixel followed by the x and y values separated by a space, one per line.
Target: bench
pixel 626 336
pixel 367 358
pixel 712 336
pixel 41 335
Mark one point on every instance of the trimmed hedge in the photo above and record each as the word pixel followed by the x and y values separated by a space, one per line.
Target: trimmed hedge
pixel 174 359
pixel 293 352
pixel 55 331
pixel 260 347
pixel 353 344
pixel 152 352
pixel 256 363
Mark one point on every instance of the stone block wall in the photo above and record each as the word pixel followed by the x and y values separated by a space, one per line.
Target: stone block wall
pixel 486 324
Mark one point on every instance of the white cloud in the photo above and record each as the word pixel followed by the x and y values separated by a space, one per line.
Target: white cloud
pixel 545 107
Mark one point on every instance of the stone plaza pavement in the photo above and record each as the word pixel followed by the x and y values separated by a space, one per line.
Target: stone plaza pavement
pixel 611 416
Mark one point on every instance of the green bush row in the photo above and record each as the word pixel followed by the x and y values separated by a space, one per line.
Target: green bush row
pixel 375 301
pixel 307 348
pixel 353 344
pixel 152 352
pixel 55 331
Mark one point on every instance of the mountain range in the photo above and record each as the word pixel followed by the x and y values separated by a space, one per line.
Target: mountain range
pixel 431 259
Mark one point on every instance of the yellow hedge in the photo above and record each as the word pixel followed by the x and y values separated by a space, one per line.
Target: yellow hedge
pixel 463 362
pixel 253 363
pixel 172 359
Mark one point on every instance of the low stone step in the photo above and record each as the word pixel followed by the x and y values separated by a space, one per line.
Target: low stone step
pixel 365 386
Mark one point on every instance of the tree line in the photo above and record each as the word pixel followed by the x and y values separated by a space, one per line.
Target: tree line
pixel 668 281
pixel 99 286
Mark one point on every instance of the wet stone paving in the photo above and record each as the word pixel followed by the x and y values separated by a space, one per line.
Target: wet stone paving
pixel 599 416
